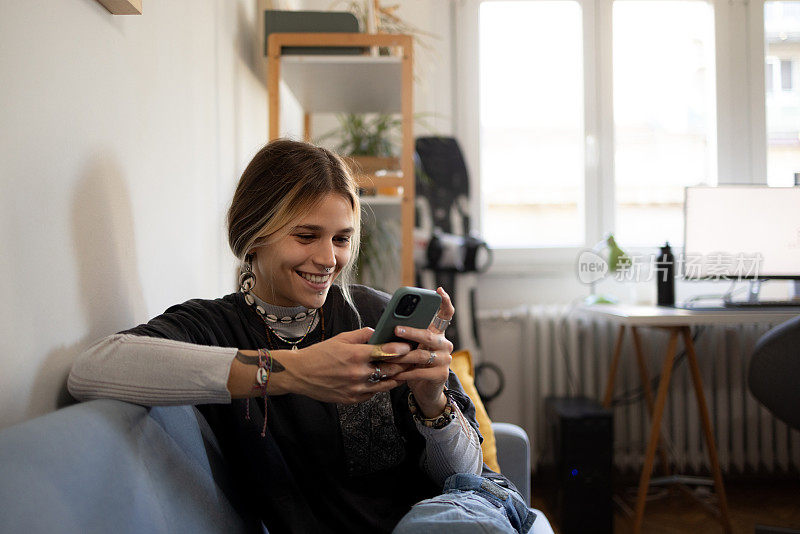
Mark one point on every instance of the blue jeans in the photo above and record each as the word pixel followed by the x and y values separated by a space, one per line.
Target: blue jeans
pixel 470 504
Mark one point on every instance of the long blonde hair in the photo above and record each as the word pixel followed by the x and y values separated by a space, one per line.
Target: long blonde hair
pixel 283 183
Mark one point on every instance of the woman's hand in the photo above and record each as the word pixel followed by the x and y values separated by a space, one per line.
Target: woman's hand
pixel 428 367
pixel 339 369
pixel 346 370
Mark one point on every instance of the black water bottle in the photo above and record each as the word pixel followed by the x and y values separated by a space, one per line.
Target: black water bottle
pixel 665 276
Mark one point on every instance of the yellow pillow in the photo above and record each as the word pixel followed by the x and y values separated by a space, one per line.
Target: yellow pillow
pixel 464 370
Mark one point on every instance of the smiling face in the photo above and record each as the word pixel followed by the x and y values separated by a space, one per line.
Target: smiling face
pixel 291 271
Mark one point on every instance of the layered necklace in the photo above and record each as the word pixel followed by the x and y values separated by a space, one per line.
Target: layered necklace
pixel 246 282
pixel 296 342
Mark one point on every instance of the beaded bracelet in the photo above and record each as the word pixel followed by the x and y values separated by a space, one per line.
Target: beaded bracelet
pixel 262 380
pixel 441 421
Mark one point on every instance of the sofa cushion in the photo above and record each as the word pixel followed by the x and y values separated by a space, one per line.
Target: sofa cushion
pixel 109 466
pixel 465 371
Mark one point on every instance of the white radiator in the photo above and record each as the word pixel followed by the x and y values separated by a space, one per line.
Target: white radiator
pixel 546 350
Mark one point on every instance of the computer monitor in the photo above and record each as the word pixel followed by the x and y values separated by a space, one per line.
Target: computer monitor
pixel 741 232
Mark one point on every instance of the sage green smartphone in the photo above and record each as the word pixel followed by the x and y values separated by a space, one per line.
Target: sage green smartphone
pixel 410 306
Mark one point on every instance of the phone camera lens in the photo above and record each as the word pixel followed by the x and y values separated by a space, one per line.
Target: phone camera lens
pixel 407 305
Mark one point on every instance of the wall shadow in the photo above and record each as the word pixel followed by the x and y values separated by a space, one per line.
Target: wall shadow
pixel 108 281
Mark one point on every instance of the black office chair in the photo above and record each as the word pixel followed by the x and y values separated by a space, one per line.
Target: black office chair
pixel 774 380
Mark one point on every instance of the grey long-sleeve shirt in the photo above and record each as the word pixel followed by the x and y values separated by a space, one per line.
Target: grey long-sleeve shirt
pixel 154 371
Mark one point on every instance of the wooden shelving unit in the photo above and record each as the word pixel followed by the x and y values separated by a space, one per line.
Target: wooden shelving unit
pixel 353 84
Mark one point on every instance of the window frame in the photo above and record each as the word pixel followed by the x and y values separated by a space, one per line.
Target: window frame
pixel 741 134
pixel 790 64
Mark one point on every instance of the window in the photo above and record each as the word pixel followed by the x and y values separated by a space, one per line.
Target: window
pixel 786 75
pixel 782 43
pixel 770 71
pixel 664 106
pixel 595 114
pixel 531 123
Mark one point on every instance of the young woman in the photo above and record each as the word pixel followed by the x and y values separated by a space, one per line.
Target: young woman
pixel 323 432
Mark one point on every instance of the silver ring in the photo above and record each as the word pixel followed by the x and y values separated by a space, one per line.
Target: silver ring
pixel 440 324
pixel 431 359
pixel 375 376
pixel 328 269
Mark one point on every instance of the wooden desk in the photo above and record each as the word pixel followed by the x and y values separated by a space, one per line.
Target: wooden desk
pixel 677 322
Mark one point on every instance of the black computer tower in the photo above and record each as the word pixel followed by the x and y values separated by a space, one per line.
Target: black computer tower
pixel 580 434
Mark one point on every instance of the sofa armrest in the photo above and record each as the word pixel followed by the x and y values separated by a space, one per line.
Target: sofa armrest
pixel 514 456
pixel 109 466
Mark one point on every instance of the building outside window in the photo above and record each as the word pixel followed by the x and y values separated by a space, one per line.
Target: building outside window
pixel 782 44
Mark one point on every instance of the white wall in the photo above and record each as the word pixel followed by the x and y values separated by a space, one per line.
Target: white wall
pixel 121 138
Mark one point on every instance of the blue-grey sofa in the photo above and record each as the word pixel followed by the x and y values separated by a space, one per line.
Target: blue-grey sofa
pixel 107 466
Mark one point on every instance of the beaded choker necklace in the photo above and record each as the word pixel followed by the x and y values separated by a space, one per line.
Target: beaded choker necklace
pixel 267 318
pixel 272 318
pixel 246 283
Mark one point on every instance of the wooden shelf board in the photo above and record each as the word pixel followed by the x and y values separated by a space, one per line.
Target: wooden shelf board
pixel 122 7
pixel 381 200
pixel 336 84
pixel 370 180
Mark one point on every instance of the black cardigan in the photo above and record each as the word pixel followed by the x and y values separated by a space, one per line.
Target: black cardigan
pixel 322 467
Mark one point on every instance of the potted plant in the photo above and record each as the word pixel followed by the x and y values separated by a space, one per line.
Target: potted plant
pixel 370 141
